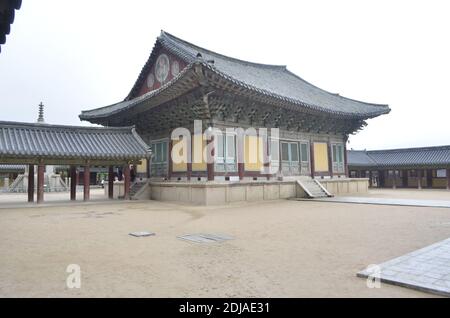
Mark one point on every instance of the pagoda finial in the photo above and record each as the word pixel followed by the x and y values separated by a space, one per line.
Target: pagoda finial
pixel 41 113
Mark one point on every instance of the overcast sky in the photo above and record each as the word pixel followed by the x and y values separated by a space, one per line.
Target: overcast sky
pixel 76 55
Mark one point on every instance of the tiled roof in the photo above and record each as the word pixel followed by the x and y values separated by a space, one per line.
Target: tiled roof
pixel 406 157
pixel 8 167
pixel 25 140
pixel 270 80
pixel 359 158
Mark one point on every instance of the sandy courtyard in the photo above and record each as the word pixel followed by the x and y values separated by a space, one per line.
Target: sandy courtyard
pixel 281 248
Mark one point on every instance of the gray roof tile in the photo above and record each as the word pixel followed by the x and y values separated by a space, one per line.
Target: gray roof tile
pixel 407 157
pixel 272 80
pixel 22 140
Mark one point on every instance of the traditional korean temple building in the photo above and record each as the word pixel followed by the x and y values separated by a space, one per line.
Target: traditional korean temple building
pixel 182 82
pixel 426 167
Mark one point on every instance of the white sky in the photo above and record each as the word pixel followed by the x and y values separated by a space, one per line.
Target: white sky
pixel 82 54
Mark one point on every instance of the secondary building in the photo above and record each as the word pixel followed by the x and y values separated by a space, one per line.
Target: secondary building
pixel 426 167
pixel 40 145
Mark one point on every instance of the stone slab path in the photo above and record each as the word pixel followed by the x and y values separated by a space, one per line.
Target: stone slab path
pixel 426 269
pixel 384 201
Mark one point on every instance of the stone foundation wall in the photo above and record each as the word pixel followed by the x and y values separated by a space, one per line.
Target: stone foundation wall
pixel 346 186
pixel 216 193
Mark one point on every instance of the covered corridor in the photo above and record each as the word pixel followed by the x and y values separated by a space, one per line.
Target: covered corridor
pixel 38 145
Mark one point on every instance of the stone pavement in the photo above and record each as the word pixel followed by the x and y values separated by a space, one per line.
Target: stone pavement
pixel 426 269
pixel 383 201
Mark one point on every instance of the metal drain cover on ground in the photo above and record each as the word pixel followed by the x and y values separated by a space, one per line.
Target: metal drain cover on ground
pixel 141 233
pixel 205 238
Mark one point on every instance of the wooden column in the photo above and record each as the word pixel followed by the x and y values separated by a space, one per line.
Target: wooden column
pixel 210 166
pixel 73 183
pixel 126 182
pixel 381 180
pixel 370 179
pixel 405 178
pixel 311 155
pixel 330 160
pixel 266 149
pixel 419 179
pixel 30 183
pixel 40 183
pixel 429 178
pixel 110 182
pixel 86 182
pixel 345 159
pixel 448 179
pixel 241 170
pixel 170 168
pixel 394 179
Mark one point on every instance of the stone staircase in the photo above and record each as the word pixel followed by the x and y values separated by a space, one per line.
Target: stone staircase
pixel 135 188
pixel 313 188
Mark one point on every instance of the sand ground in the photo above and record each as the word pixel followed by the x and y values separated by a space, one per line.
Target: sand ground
pixel 280 248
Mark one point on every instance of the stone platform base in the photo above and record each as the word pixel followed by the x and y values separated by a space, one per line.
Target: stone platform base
pixel 216 193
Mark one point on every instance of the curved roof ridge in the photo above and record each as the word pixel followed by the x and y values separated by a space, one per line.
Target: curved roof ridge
pixel 19 124
pixel 335 94
pixel 428 148
pixel 175 39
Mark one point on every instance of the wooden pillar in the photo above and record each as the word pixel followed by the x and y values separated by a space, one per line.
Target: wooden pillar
pixel 330 160
pixel 266 149
pixel 86 182
pixel 405 178
pixel 419 179
pixel 381 180
pixel 126 182
pixel 40 183
pixel 370 179
pixel 73 183
pixel 241 170
pixel 345 159
pixel 30 183
pixel 394 179
pixel 210 163
pixel 110 182
pixel 190 158
pixel 311 155
pixel 429 178
pixel 448 179
pixel 170 168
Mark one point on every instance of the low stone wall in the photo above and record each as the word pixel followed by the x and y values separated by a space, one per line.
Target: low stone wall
pixel 215 193
pixel 346 186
